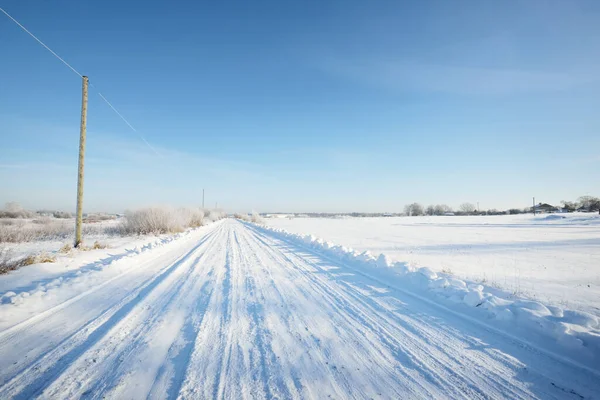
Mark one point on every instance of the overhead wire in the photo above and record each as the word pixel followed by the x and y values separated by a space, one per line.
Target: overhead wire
pixel 40 42
pixel 81 76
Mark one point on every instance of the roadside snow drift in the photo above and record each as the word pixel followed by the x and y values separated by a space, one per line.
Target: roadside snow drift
pixel 576 331
pixel 553 259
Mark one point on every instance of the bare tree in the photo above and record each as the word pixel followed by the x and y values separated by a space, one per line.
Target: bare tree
pixel 15 210
pixel 442 209
pixel 13 207
pixel 590 203
pixel 569 205
pixel 430 210
pixel 467 208
pixel 413 209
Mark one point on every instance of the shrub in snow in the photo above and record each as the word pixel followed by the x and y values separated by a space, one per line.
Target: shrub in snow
pixel 15 210
pixel 39 229
pixel 62 214
pixel 98 217
pixel 158 220
pixel 242 217
pixel 256 218
pixel 190 217
pixel 9 263
pixel 152 220
pixel 214 215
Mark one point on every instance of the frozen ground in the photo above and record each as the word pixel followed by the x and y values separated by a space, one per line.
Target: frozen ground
pixel 234 311
pixel 553 258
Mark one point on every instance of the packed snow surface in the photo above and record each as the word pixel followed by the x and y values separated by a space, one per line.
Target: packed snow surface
pixel 553 258
pixel 234 310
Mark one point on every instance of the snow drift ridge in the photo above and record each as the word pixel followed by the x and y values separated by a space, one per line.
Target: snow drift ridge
pixel 576 332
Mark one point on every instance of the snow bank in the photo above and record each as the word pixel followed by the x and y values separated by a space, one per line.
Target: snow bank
pixel 83 276
pixel 34 289
pixel 552 217
pixel 575 330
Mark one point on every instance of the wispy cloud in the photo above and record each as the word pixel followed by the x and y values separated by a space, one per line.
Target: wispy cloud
pixel 113 152
pixel 401 75
pixel 32 166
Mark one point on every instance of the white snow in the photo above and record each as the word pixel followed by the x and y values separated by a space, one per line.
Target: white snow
pixel 235 310
pixel 575 331
pixel 550 258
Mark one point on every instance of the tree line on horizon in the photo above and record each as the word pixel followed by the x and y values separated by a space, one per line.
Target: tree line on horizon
pixel 583 203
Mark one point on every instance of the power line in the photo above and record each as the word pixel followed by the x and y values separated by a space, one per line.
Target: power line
pixel 81 76
pixel 124 120
pixel 42 43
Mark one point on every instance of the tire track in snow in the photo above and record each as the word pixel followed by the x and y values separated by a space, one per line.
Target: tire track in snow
pixel 537 367
pixel 172 372
pixel 254 345
pixel 269 366
pixel 40 374
pixel 151 345
pixel 40 336
pixel 225 322
pixel 207 360
pixel 345 329
pixel 427 362
pixel 12 331
pixel 301 338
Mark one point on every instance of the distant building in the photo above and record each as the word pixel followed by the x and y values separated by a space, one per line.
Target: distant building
pixel 544 208
pixel 278 216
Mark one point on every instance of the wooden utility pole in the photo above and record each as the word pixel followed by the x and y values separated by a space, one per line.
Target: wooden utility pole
pixel 533 206
pixel 79 216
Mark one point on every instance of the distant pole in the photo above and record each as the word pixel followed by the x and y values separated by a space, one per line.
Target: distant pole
pixel 79 216
pixel 477 206
pixel 202 198
pixel 533 206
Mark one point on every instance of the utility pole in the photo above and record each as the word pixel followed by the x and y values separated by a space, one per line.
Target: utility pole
pixel 202 198
pixel 79 216
pixel 533 206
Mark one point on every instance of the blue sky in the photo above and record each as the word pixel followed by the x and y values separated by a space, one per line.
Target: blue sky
pixel 302 106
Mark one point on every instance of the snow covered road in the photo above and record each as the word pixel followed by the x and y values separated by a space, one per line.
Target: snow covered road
pixel 238 313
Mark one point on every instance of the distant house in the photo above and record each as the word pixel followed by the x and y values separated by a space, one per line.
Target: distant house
pixel 544 208
pixel 278 215
pixel 587 209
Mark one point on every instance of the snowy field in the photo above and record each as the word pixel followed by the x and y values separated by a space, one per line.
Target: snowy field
pixel 552 258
